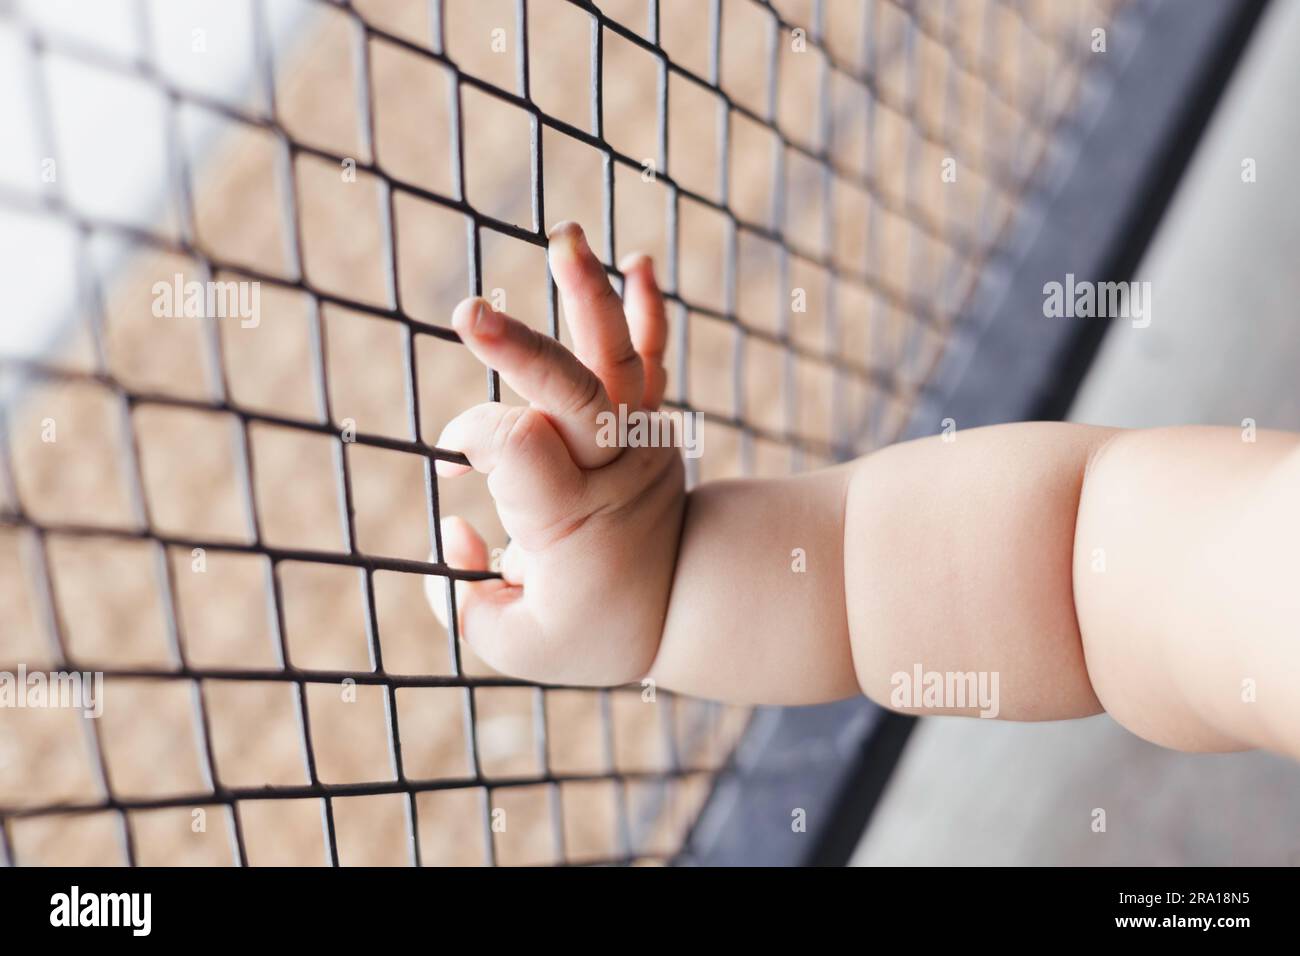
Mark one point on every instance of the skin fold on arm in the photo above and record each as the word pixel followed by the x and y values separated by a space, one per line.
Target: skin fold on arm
pixel 1152 574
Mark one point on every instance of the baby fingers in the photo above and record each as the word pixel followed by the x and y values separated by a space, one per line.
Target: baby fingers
pixel 491 615
pixel 530 472
pixel 544 372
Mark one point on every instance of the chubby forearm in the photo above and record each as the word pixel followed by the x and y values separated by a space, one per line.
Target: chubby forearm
pixel 757 609
pixel 951 555
pixel 1072 567
pixel 959 560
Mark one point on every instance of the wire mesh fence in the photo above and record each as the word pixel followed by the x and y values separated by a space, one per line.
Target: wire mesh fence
pixel 234 517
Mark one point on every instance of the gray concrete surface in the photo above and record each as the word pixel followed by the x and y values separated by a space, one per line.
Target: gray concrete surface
pixel 1224 345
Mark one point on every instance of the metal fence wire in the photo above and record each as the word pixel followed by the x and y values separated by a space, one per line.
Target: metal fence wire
pixel 234 519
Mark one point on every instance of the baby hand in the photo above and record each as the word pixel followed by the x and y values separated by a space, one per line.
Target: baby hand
pixel 593 527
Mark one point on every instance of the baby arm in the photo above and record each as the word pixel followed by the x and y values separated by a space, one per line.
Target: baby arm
pixel 1144 572
pixel 1152 573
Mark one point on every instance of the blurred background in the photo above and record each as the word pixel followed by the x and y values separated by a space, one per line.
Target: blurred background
pixel 1221 349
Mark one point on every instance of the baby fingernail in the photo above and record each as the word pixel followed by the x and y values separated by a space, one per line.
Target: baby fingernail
pixel 568 236
pixel 487 321
pixel 632 261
